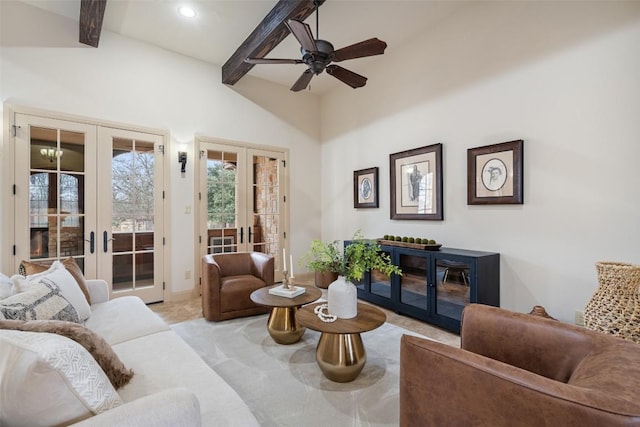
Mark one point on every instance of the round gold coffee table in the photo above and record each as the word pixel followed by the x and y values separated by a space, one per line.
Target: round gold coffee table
pixel 340 352
pixel 282 324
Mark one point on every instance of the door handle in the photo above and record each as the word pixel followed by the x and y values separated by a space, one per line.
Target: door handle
pixel 249 235
pixel 241 234
pixel 92 242
pixel 105 241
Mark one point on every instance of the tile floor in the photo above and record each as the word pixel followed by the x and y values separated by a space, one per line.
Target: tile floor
pixel 181 311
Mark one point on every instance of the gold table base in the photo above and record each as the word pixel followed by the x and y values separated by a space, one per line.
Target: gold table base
pixel 340 357
pixel 282 325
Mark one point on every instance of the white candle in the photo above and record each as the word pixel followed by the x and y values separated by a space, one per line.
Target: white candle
pixel 284 260
pixel 291 265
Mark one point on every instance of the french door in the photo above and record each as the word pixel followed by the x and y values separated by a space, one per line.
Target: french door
pixel 91 193
pixel 242 201
pixel 131 220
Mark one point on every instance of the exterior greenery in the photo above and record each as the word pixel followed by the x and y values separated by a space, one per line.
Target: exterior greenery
pixel 360 256
pixel 221 197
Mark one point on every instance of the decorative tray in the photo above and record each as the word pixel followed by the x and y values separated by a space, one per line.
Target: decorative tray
pixel 422 246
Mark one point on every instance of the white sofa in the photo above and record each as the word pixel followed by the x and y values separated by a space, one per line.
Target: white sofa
pixel 172 385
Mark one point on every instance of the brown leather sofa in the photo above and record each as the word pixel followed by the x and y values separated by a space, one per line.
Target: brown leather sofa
pixel 517 369
pixel 228 281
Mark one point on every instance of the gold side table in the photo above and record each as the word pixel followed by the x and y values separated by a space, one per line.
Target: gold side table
pixel 282 324
pixel 340 352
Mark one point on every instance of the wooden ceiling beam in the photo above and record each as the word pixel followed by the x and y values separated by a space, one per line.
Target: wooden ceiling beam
pixel 266 36
pixel 91 15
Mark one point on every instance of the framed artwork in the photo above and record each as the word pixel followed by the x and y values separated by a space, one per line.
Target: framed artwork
pixel 494 174
pixel 365 188
pixel 416 183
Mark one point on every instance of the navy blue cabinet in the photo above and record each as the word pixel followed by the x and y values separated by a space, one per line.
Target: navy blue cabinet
pixel 435 285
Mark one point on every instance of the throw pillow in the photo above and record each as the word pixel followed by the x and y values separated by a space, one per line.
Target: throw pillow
pixel 48 379
pixel 72 267
pixel 118 374
pixel 28 268
pixel 6 287
pixel 59 275
pixel 42 301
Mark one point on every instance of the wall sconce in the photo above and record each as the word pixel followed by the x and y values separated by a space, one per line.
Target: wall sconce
pixel 182 158
pixel 50 153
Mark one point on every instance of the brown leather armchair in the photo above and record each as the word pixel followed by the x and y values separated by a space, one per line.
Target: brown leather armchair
pixel 228 281
pixel 516 369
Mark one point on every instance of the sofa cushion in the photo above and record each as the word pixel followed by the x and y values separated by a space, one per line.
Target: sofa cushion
pixel 163 361
pixel 123 319
pixel 42 301
pixel 48 379
pixel 606 368
pixel 59 275
pixel 101 351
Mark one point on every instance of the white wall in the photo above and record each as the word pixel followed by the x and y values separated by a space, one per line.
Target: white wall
pixel 133 83
pixel 563 76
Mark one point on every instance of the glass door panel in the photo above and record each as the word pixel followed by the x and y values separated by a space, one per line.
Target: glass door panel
pixel 413 282
pixel 452 287
pixel 56 194
pixel 133 213
pixel 265 231
pixel 380 282
pixel 265 205
pixel 222 202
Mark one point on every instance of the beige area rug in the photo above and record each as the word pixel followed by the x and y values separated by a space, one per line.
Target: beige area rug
pixel 282 384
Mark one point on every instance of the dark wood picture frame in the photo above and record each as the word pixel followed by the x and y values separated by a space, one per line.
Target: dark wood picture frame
pixel 365 188
pixel 495 174
pixel 416 183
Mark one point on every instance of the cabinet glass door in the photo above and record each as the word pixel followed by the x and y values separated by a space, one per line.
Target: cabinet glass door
pixel 413 282
pixel 380 282
pixel 452 287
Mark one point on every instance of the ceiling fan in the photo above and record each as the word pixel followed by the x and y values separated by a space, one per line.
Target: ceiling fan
pixel 319 54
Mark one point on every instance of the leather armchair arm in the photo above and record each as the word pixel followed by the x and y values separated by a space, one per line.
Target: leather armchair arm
pixel 444 385
pixel 211 284
pixel 544 346
pixel 263 267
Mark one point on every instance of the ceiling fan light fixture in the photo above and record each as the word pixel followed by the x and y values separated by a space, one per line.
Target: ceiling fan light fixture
pixel 319 55
pixel 187 12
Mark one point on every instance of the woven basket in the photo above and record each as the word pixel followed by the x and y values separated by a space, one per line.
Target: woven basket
pixel 615 307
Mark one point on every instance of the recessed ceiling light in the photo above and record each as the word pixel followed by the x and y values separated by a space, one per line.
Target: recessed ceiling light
pixel 187 12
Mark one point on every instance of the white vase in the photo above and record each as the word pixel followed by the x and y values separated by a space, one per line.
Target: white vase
pixel 343 299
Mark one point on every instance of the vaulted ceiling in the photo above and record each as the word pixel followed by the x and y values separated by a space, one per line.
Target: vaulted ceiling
pixel 222 26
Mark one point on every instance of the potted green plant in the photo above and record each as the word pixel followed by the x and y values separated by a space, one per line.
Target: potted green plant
pixel 325 260
pixel 363 255
pixel 349 264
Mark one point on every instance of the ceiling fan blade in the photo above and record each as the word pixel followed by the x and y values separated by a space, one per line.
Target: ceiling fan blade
pixel 302 32
pixel 273 61
pixel 369 47
pixel 348 77
pixel 303 81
